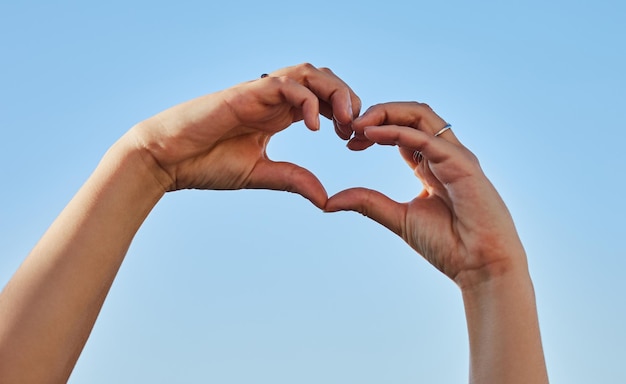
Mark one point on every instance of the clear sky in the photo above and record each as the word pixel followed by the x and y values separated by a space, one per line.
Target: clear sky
pixel 261 287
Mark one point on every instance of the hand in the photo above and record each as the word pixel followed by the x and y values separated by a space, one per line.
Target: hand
pixel 458 222
pixel 219 141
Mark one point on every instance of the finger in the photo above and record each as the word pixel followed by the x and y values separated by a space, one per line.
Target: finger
pixel 301 98
pixel 448 161
pixel 341 131
pixel 345 104
pixel 432 148
pixel 251 100
pixel 344 123
pixel 372 204
pixel 359 144
pixel 284 176
pixel 326 110
pixel 410 114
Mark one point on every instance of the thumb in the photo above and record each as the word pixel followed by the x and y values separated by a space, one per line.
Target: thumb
pixel 372 204
pixel 284 176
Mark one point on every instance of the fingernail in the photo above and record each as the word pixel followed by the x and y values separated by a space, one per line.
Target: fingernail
pixel 340 127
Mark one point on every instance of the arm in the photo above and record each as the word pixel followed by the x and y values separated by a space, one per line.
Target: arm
pixel 218 141
pixel 505 344
pixel 459 224
pixel 48 308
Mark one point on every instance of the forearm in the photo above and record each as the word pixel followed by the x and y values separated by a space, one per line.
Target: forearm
pixel 49 307
pixel 505 343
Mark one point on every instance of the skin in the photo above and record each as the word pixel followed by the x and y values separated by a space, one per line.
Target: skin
pixel 218 141
pixel 460 224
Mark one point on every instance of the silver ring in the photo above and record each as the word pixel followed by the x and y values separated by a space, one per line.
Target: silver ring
pixel 418 157
pixel 442 130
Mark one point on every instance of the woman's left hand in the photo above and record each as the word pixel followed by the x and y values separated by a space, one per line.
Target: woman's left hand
pixel 219 141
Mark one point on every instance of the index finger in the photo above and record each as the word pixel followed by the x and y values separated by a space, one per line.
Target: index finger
pixel 409 114
pixel 338 100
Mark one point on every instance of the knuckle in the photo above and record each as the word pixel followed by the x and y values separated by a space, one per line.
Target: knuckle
pixel 306 67
pixel 467 163
pixel 284 79
pixel 425 107
pixel 374 109
pixel 367 202
pixel 295 177
pixel 472 158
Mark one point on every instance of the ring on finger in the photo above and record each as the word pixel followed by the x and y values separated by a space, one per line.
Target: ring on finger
pixel 442 130
pixel 418 157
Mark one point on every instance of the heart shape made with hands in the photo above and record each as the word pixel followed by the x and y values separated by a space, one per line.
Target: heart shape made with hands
pixel 323 166
pixel 407 125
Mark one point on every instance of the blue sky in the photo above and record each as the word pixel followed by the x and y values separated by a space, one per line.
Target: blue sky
pixel 261 287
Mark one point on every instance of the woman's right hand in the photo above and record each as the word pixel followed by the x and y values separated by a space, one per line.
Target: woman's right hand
pixel 458 222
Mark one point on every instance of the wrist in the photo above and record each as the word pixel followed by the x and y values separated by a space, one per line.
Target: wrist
pixel 135 154
pixel 497 263
pixel 499 280
pixel 129 172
